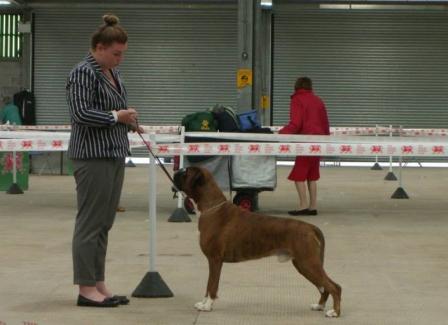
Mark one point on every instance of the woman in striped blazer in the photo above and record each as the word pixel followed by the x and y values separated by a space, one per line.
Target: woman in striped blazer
pixel 100 119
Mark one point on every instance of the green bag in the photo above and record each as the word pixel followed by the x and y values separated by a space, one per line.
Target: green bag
pixel 200 121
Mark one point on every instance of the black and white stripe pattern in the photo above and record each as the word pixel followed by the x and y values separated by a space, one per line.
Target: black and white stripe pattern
pixel 91 97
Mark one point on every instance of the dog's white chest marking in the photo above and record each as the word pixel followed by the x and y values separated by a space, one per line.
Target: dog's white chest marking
pixel 283 257
pixel 204 305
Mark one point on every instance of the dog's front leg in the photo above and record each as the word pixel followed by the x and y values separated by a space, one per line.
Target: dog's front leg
pixel 215 266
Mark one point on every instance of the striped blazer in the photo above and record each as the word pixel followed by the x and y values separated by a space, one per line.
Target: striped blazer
pixel 91 97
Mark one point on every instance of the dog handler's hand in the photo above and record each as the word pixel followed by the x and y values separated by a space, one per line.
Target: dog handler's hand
pixel 127 116
pixel 136 128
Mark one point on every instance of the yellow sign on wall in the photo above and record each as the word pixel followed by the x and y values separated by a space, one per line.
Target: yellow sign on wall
pixel 244 78
pixel 265 102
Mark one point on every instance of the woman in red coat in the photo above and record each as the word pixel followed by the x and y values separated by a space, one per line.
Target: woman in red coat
pixel 307 116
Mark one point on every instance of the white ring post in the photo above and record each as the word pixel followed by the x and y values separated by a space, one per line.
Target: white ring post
pixel 181 164
pixel 180 214
pixel 152 205
pixel 390 157
pixel 400 162
pixel 390 175
pixel 14 167
pixel 152 285
pixel 14 188
pixel 376 165
pixel 376 137
pixel 400 193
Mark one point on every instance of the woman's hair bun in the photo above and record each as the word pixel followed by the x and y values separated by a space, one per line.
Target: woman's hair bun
pixel 111 20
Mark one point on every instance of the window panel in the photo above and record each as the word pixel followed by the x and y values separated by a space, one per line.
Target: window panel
pixel 10 38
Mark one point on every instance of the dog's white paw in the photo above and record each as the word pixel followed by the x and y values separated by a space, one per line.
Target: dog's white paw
pixel 331 313
pixel 317 307
pixel 204 305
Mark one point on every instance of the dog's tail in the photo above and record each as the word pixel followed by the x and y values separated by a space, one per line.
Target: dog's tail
pixel 321 241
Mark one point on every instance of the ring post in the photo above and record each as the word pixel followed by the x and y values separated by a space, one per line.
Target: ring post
pixel 376 166
pixel 14 188
pixel 130 163
pixel 152 285
pixel 400 193
pixel 180 215
pixel 390 175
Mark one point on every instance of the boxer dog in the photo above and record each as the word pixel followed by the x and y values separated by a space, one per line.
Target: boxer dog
pixel 231 234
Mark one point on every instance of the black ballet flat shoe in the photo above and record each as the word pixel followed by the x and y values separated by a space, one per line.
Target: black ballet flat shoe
pixel 86 302
pixel 122 300
pixel 304 212
pixel 312 212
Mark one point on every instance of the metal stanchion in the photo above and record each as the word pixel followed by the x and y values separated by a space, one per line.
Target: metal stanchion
pixel 390 175
pixel 400 193
pixel 14 188
pixel 180 215
pixel 152 285
pixel 376 166
pixel 130 163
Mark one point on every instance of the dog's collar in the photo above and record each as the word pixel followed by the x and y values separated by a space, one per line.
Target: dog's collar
pixel 214 207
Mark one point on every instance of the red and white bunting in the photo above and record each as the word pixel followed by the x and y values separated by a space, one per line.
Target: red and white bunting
pixel 174 129
pixel 257 149
pixel 44 144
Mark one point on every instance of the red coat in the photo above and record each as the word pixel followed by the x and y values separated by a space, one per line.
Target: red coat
pixel 307 115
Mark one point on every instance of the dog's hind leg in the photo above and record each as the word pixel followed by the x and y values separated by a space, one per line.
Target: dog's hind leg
pixel 214 274
pixel 313 271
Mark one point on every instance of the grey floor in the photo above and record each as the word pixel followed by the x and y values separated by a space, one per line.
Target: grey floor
pixel 390 256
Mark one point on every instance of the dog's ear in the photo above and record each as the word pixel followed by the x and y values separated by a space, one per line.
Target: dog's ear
pixel 197 178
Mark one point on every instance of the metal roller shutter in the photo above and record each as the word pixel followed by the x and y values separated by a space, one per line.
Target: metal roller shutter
pixel 180 59
pixel 370 66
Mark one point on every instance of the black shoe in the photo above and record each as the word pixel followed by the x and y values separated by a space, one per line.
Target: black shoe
pixel 107 302
pixel 122 300
pixel 304 212
pixel 312 212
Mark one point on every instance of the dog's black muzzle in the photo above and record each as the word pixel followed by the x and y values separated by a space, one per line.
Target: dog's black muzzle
pixel 178 176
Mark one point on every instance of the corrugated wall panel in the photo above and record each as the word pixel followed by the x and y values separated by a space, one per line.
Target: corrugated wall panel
pixel 370 66
pixel 179 60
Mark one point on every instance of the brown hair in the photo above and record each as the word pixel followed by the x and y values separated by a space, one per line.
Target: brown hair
pixel 303 83
pixel 109 32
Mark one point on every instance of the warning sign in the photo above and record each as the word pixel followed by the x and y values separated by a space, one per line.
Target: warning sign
pixel 244 78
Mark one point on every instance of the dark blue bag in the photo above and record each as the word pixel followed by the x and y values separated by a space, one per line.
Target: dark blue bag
pixel 249 120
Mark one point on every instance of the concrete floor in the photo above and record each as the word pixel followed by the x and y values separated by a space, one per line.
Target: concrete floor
pixel 390 256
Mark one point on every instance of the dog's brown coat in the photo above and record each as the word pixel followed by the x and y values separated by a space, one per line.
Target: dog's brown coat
pixel 230 234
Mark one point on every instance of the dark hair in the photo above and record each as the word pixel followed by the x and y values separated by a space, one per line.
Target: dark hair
pixel 304 83
pixel 109 32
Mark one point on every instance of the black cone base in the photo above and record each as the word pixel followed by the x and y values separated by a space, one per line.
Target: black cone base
pixel 14 189
pixel 152 286
pixel 400 193
pixel 390 177
pixel 130 163
pixel 376 166
pixel 179 215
